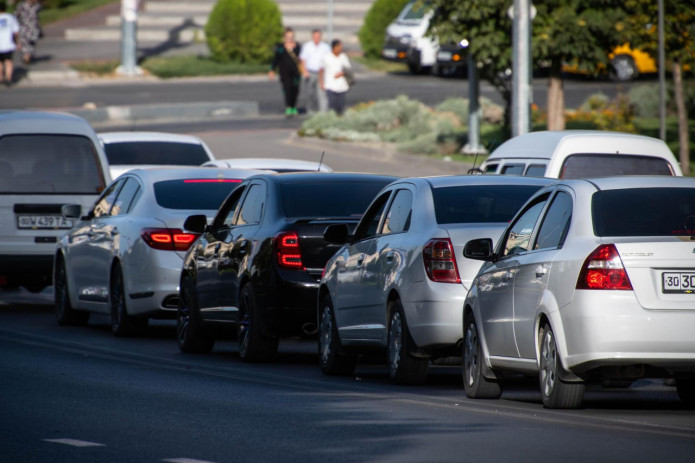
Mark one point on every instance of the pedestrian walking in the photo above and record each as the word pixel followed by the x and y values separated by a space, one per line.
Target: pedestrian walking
pixel 288 64
pixel 27 13
pixel 9 32
pixel 334 77
pixel 312 57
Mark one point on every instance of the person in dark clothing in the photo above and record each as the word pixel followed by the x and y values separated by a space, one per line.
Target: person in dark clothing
pixel 286 61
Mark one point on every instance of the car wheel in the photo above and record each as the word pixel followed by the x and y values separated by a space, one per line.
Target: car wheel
pixel 331 357
pixel 190 333
pixel 556 392
pixel 476 385
pixel 253 346
pixel 404 368
pixel 623 68
pixel 122 324
pixel 65 314
pixel 686 391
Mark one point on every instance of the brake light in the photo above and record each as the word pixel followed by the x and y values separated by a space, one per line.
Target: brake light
pixel 604 269
pixel 440 262
pixel 289 254
pixel 212 180
pixel 168 239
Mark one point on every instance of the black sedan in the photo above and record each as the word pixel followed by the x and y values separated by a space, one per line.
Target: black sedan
pixel 255 270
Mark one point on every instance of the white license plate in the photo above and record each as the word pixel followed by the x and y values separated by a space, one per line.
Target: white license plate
pixel 444 56
pixel 678 282
pixel 45 222
pixel 389 53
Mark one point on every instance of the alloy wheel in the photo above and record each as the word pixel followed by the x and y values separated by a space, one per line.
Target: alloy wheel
pixel 548 363
pixel 326 336
pixel 395 341
pixel 470 354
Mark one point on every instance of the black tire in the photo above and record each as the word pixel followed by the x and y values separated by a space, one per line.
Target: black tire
pixel 65 314
pixel 122 324
pixel 404 368
pixel 556 393
pixel 686 391
pixel 253 346
pixel 623 69
pixel 190 334
pixel 476 385
pixel 332 359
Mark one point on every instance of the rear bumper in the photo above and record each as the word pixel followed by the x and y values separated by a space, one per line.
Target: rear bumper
pixel 152 283
pixel 27 269
pixel 290 303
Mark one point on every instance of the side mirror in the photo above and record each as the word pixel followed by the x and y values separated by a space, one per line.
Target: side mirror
pixel 71 211
pixel 196 223
pixel 480 249
pixel 337 233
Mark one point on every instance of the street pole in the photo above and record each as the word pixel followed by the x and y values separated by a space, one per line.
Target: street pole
pixel 521 68
pixel 329 21
pixel 662 75
pixel 474 111
pixel 129 43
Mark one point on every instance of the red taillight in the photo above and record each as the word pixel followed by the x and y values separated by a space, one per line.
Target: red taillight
pixel 440 262
pixel 288 252
pixel 168 239
pixel 604 269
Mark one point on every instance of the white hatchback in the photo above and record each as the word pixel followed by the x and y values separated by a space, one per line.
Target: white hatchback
pixel 592 280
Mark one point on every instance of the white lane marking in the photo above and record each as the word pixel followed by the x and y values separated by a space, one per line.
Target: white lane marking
pixel 74 442
pixel 185 460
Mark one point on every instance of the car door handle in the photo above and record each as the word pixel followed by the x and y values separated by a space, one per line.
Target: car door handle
pixel 217 248
pixel 389 256
pixel 540 271
pixel 360 260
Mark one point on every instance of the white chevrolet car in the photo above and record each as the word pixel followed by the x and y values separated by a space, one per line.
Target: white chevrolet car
pixel 123 258
pixel 592 280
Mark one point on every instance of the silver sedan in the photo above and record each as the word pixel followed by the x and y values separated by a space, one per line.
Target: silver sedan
pixel 592 280
pixel 123 258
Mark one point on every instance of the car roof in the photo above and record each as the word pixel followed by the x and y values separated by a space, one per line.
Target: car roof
pixel 308 177
pixel 273 164
pixel 157 174
pixel 460 180
pixel 120 137
pixel 43 122
pixel 636 181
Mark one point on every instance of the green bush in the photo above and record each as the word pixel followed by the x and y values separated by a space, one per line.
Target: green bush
pixel 244 31
pixel 379 16
pixel 644 99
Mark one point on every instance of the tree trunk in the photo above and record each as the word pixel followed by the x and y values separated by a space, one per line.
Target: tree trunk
pixel 556 97
pixel 683 136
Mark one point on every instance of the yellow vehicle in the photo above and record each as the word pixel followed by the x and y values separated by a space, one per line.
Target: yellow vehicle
pixel 626 64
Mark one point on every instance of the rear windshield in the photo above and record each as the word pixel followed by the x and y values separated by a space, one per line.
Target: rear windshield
pixel 644 212
pixel 330 199
pixel 49 164
pixel 603 165
pixel 155 153
pixel 480 203
pixel 198 194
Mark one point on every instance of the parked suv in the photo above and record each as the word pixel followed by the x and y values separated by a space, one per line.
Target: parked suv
pixel 47 160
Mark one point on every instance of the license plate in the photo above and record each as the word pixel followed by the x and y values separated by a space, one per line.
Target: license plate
pixel 444 56
pixel 678 282
pixel 43 222
pixel 389 53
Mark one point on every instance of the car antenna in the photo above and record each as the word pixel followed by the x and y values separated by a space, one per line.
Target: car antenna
pixel 321 161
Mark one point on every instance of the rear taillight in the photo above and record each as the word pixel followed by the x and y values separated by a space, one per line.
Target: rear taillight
pixel 168 239
pixel 440 262
pixel 604 269
pixel 289 254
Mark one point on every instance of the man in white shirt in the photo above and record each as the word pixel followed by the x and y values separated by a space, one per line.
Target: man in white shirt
pixel 9 35
pixel 312 54
pixel 332 77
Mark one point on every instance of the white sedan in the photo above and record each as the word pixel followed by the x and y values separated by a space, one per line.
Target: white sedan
pixel 274 164
pixel 131 150
pixel 123 258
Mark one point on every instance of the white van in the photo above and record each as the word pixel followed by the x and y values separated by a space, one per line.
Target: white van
pixel 406 40
pixel 47 160
pixel 581 154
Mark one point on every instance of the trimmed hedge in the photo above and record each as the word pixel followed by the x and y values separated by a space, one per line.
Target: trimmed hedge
pixel 379 16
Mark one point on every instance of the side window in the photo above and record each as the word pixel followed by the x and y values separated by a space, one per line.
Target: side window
pixel 225 216
pixel 103 205
pixel 535 170
pixel 398 218
pixel 125 198
pixel 252 208
pixel 555 223
pixel 370 220
pixel 512 169
pixel 519 238
pixel 491 169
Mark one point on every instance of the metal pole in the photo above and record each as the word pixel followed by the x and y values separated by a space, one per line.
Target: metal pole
pixel 129 44
pixel 521 68
pixel 662 75
pixel 474 111
pixel 329 21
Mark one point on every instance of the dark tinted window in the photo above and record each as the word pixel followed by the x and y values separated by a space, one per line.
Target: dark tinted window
pixel 49 164
pixel 490 169
pixel 644 212
pixel 371 218
pixel 519 237
pixel 401 209
pixel 535 170
pixel 103 205
pixel 480 203
pixel 329 199
pixel 198 194
pixel 252 208
pixel 555 223
pixel 126 197
pixel 155 152
pixel 602 165
pixel 512 169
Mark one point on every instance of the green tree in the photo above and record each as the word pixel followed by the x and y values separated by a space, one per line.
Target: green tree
pixel 379 16
pixel 679 47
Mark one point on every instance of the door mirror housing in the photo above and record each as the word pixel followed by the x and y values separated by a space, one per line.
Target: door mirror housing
pixel 480 249
pixel 71 211
pixel 337 234
pixel 196 223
